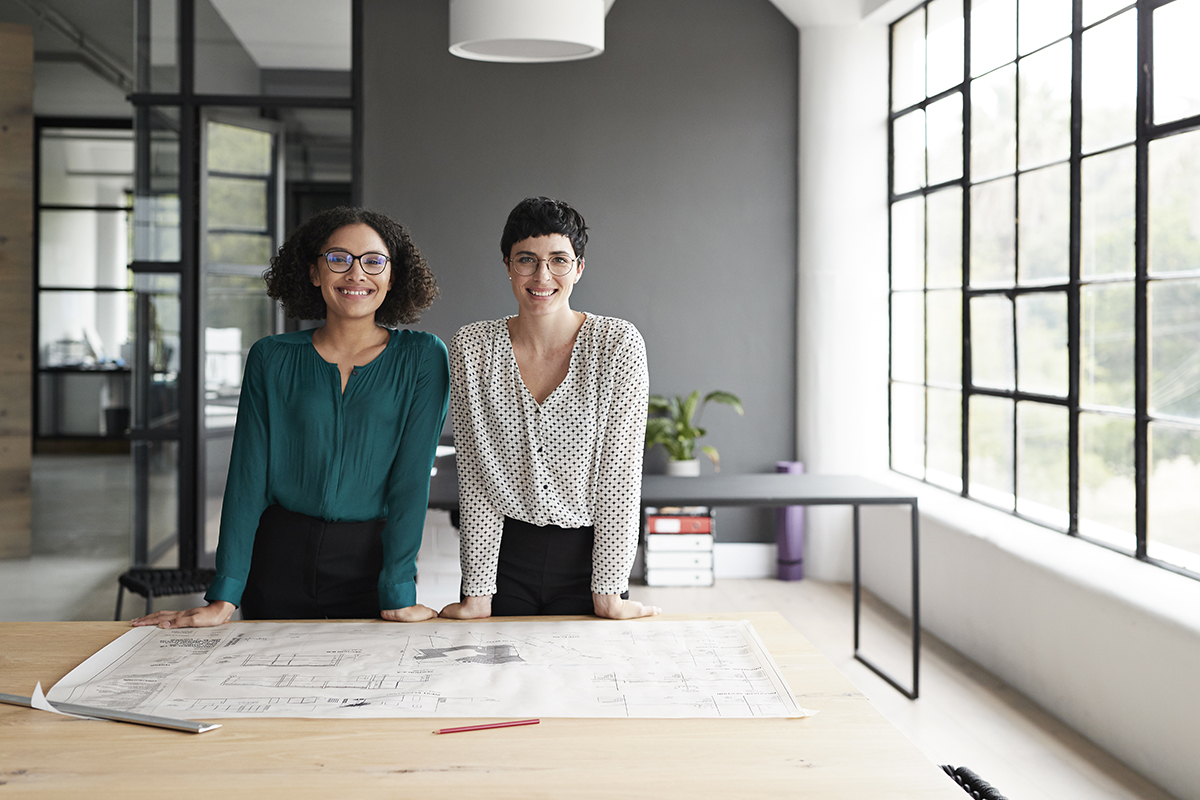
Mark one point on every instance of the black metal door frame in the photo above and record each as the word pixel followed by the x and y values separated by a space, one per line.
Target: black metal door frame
pixel 190 503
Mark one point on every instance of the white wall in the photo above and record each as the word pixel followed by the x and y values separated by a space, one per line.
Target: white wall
pixel 842 305
pixel 1109 645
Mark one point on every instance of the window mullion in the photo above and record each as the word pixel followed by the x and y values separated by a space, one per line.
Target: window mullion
pixel 966 252
pixel 1074 334
pixel 1141 358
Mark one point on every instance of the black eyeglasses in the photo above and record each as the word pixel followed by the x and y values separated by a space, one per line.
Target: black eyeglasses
pixel 341 261
pixel 527 265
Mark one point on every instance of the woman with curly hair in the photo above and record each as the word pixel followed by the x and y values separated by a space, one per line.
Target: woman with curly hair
pixel 336 432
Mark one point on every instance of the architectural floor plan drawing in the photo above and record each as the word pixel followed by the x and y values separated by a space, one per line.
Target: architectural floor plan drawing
pixel 599 668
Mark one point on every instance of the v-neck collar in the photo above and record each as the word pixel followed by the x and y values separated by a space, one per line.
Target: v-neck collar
pixel 512 357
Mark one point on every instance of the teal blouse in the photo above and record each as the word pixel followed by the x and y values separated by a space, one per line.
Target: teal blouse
pixel 350 456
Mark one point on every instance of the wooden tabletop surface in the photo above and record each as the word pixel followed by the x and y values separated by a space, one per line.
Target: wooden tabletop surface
pixel 848 750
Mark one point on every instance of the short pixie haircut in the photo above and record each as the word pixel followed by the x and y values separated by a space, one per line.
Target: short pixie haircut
pixel 543 216
pixel 289 278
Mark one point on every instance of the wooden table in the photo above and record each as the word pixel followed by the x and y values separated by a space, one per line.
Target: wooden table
pixel 848 750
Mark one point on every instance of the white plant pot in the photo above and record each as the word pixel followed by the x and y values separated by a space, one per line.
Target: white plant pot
pixel 684 469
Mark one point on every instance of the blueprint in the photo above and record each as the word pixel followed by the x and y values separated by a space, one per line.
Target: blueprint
pixel 601 668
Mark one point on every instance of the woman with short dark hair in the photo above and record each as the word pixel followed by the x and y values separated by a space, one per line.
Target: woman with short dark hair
pixel 336 433
pixel 549 430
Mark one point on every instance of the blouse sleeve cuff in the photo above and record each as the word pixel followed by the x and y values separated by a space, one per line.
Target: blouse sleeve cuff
pixel 397 595
pixel 612 588
pixel 478 590
pixel 227 589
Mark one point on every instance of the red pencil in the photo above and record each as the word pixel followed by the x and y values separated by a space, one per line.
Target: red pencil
pixel 510 724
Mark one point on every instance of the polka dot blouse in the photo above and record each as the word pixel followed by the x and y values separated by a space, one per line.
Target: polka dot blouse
pixel 574 460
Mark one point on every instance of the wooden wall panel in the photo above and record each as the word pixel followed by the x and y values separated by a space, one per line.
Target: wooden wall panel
pixel 16 286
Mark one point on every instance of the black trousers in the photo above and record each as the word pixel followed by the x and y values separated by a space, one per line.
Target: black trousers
pixel 306 568
pixel 544 570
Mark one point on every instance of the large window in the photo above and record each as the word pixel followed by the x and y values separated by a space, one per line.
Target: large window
pixel 1045 264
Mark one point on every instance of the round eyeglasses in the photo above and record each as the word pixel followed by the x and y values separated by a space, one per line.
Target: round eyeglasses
pixel 341 261
pixel 527 265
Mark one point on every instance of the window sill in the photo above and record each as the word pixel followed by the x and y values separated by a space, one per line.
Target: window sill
pixel 1149 588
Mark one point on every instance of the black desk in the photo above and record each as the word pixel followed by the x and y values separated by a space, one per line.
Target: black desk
pixel 768 489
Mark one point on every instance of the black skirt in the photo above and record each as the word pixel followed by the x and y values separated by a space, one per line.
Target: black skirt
pixel 303 567
pixel 544 570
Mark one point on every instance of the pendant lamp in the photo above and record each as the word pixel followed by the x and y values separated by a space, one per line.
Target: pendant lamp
pixel 527 31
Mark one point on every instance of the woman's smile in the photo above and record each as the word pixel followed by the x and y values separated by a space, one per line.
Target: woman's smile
pixel 543 292
pixel 354 293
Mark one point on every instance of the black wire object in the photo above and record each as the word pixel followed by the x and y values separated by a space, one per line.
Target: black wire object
pixel 151 583
pixel 974 785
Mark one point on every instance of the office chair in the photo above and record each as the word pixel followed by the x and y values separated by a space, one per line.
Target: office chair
pixel 151 583
pixel 974 785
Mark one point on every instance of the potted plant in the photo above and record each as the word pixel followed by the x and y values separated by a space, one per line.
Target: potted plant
pixel 673 424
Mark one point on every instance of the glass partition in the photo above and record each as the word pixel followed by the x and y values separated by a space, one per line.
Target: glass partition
pixel 241 197
pixel 244 128
pixel 84 310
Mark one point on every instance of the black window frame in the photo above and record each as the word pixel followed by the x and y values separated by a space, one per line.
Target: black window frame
pixel 190 105
pixel 1147 131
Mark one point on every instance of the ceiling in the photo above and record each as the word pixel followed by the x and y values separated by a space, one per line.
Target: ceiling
pixel 107 24
pixel 278 34
pixel 807 13
pixel 309 35
pixel 312 34
pixel 818 13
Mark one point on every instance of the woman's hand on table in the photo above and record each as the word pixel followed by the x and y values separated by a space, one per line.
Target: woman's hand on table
pixel 417 613
pixel 611 606
pixel 217 612
pixel 469 608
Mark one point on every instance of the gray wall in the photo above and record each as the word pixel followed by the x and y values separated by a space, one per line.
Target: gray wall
pixel 678 145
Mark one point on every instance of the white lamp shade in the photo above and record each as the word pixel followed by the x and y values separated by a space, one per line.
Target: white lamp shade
pixel 527 30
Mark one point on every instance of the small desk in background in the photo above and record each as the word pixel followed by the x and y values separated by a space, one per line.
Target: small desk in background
pixel 773 489
pixel 848 750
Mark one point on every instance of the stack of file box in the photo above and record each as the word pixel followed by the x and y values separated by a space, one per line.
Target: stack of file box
pixel 679 546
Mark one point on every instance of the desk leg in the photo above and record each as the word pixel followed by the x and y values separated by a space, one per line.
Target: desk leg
pixel 911 694
pixel 916 599
pixel 857 581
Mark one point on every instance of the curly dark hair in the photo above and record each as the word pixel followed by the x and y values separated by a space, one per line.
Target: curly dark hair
pixel 542 216
pixel 288 278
